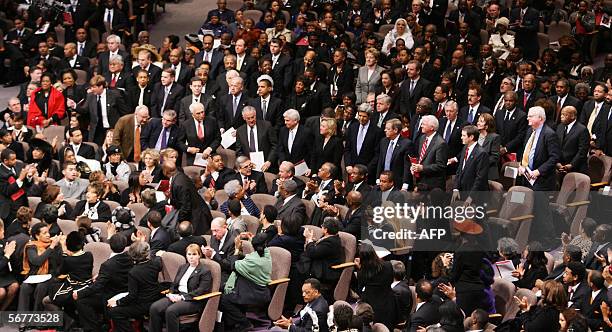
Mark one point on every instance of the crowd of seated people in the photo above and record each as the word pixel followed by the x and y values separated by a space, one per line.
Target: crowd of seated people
pixel 256 147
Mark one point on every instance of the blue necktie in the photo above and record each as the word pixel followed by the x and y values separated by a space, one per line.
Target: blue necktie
pixel 388 156
pixel 164 143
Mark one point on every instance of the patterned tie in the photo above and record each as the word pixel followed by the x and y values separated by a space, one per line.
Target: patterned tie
pixel 471 115
pixel 527 152
pixel 81 46
pixel 592 118
pixel 467 150
pixel 423 149
pixel 525 99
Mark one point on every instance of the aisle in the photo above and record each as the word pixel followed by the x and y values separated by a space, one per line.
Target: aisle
pixel 181 18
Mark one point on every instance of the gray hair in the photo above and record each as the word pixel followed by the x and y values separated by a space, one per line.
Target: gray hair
pixel 115 38
pixel 384 98
pixel 432 120
pixel 229 56
pixel 241 160
pixel 365 107
pixel 292 114
pixel 248 109
pixel 141 108
pixel 232 188
pixel 290 186
pixel 511 79
pixel 507 246
pixel 193 106
pixel 451 104
pixel 538 111
pixel 115 58
pixel 139 251
pixel 170 113
pixel 582 85
pixel 219 221
pixel 236 80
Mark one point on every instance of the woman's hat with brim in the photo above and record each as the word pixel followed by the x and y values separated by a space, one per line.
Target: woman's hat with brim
pixel 194 40
pixel 39 144
pixel 467 227
pixel 147 47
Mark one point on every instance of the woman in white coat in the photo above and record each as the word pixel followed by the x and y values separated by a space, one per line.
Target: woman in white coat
pixel 369 75
pixel 400 30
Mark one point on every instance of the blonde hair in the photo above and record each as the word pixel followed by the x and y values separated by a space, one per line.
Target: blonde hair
pixel 151 152
pixel 331 125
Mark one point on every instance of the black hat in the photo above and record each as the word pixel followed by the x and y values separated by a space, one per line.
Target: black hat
pixel 113 149
pixel 39 144
pixel 194 39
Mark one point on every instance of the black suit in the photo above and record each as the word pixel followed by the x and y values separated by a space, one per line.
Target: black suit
pixel 464 113
pixel 259 179
pixel 249 65
pixel 408 101
pixel 212 137
pixel 465 76
pixel 574 146
pixel 434 162
pixel 302 143
pixel 111 280
pixel 369 147
pixel 160 240
pixel 569 101
pixel 321 97
pixel 119 22
pixel 580 294
pixel 294 207
pixel 115 108
pixel 603 132
pixel 546 156
pixel 103 59
pixel 512 131
pixel 89 50
pixel 355 223
pixel 225 113
pixel 183 112
pixel 274 112
pixel 216 61
pixel 184 75
pixel 403 296
pixel 124 81
pixel 321 308
pixel 590 309
pixel 157 99
pixel 133 96
pixel 300 187
pixel 330 152
pixel 180 246
pixel 526 37
pixel 189 204
pixel 153 70
pixel 81 63
pixel 324 254
pixel 390 115
pixel 400 161
pixel 281 74
pixel 151 134
pixel 472 179
pixel 84 150
pixel 454 138
pixel 470 17
pixel 532 97
pixel 426 315
pixel 225 175
pixel 266 140
pixel 223 253
pixel 12 197
pixel 199 282
pixel 588 109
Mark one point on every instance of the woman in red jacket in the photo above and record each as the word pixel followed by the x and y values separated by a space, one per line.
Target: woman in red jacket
pixel 46 105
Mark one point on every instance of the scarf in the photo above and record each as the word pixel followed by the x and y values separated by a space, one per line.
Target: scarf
pixel 113 168
pixel 254 268
pixel 40 248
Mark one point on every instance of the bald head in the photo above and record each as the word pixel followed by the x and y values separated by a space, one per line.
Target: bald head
pixel 354 198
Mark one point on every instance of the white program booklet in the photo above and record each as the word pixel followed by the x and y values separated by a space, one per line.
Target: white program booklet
pixel 301 168
pixel 200 160
pixel 228 138
pixel 505 269
pixel 258 159
pixel 37 279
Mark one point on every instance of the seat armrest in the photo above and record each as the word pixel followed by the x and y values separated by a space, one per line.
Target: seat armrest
pixel 394 250
pixel 598 184
pixel 579 203
pixel 278 281
pixel 522 218
pixel 493 211
pixel 207 296
pixel 343 265
pixel 166 291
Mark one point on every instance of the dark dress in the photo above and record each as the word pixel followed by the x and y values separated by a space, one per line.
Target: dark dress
pixel 532 274
pixel 7 276
pixel 378 293
pixel 332 152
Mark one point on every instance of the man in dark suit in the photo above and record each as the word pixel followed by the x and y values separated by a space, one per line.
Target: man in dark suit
pixel 286 171
pixel 430 169
pixel 244 62
pixel 201 134
pixel 166 94
pixel 186 201
pixel 78 147
pixel 471 181
pixel 161 133
pixel 255 180
pixel 603 133
pixel 17 45
pixel 574 139
pixel 574 278
pixel 524 20
pixel 463 13
pixel 394 155
pixel 6 139
pixel 354 221
pixel 80 11
pixel 289 203
pixel 15 179
pixel 221 247
pixel 590 306
pixel 113 42
pixel 423 108
pixel 450 129
pixel 216 175
pixel 230 106
pixel 538 159
pixel 72 59
pixel 85 47
pixel 321 96
pixel 427 306
pixel 140 93
pixel 294 140
pixel 402 291
pixel 104 107
pixel 182 72
pixel 530 94
pixel 108 18
pixel 267 106
pixel 319 309
pixel 145 61
pixel 511 124
pixel 116 76
pixel 465 38
pixel 491 81
pixel 196 96
pixel 185 231
pixel 413 88
pixel 111 280
pixel 594 111
pixel 53 63
pixel 469 114
pixel 207 54
pixel 383 111
pixel 281 68
pixel 563 99
pixel 254 136
pixel 160 239
pixel 465 75
pixel 361 141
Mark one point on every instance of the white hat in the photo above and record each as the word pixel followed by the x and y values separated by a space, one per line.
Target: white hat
pixel 267 78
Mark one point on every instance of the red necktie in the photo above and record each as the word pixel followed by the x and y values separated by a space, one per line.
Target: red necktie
pixel 200 131
pixel 467 150
pixel 423 149
pixel 440 111
pixel 525 98
pixel 113 82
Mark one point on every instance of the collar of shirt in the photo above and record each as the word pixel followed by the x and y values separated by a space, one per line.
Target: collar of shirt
pixel 153 231
pixel 475 107
pixel 594 294
pixel 510 112
pixel 561 100
pixel 215 175
pixel 393 284
pixel 419 305
pixel 294 130
pixel 288 199
pixel 569 126
pixel 267 99
pixel 103 96
pixel 324 183
pixel 471 148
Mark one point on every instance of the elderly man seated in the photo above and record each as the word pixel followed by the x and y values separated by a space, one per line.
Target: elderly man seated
pixel 235 191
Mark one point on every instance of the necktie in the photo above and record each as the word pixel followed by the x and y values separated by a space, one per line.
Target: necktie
pixel 592 118
pixel 360 137
pixel 264 108
pixel 164 141
pixel 507 117
pixel 166 93
pixel 252 140
pixel 80 49
pixel 411 86
pixel 423 149
pixel 471 115
pixel 558 109
pixel 447 132
pixel 440 111
pixel 141 97
pixel 200 131
pixel 109 20
pixel 137 144
pixel 525 98
pixel 207 57
pixel 526 154
pixel 380 120
pixel 388 156
pixel 99 111
pixel 234 106
pixel 291 138
pixel 467 150
pixel 113 81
